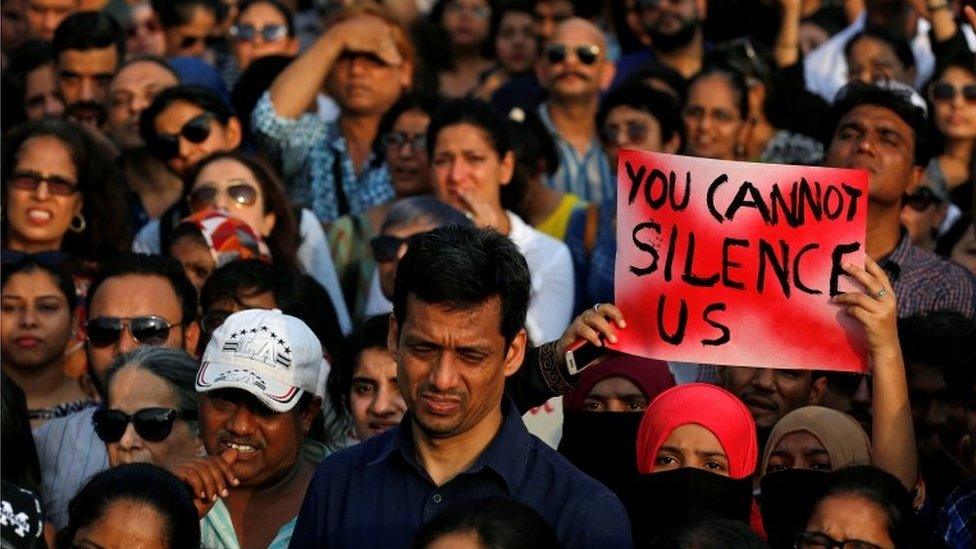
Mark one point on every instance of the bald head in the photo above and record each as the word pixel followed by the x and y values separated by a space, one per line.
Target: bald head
pixel 575 66
pixel 580 31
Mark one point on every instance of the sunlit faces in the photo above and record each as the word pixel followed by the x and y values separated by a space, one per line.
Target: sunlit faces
pixel 364 84
pixel 770 394
pixel 44 16
pixel 408 163
pixel 713 120
pixel 220 175
pixel 191 39
pixel 876 139
pixel 374 398
pixel 464 162
pixel 872 59
pixel 692 445
pixel 267 442
pixel 38 219
pixel 83 81
pixel 124 523
pixel 131 91
pixel 572 77
pixel 799 450
pixel 35 322
pixel 630 128
pixel 515 44
pixel 851 517
pixel 41 96
pixel 387 269
pixel 259 17
pixel 615 394
pixel 222 137
pixel 133 389
pixel 467 22
pixel 955 117
pixel 452 364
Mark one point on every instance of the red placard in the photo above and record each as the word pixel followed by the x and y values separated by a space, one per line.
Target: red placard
pixel 734 263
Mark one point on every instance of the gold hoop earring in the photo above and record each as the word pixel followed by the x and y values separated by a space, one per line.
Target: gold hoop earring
pixel 78 223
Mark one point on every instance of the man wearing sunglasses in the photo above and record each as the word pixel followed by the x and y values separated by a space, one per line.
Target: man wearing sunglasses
pixel 574 69
pixel 137 300
pixel 88 47
pixel 261 382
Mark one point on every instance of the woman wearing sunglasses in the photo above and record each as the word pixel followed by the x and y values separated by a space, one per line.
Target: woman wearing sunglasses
pixel 151 409
pixel 952 96
pixel 263 28
pixel 61 192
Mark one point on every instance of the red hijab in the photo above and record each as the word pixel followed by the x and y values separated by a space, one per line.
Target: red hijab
pixel 713 408
pixel 650 376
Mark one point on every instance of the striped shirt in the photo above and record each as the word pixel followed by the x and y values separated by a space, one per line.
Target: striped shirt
pixel 70 453
pixel 588 176
pixel 311 153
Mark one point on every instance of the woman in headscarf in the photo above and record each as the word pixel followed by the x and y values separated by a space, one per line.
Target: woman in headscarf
pixel 697 451
pixel 208 240
pixel 803 447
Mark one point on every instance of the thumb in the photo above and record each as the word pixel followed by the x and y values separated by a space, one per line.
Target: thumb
pixel 229 455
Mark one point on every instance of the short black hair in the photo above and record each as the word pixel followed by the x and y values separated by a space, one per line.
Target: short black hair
pixel 665 74
pixel 142 483
pixel 499 523
pixel 88 30
pixel 936 339
pixel 28 57
pixel 150 265
pixel 640 96
pixel 174 13
pixel 475 112
pixel 712 534
pixel 897 100
pixel 189 93
pixel 880 488
pixel 898 44
pixel 463 267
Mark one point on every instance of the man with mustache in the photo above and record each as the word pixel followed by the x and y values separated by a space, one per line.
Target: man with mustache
pixel 675 30
pixel 457 332
pixel 261 378
pixel 88 47
pixel 574 69
pixel 770 393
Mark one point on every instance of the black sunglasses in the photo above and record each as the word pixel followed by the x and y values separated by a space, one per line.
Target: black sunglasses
pixel 53 258
pixel 947 92
pixel 386 247
pixel 816 540
pixel 922 198
pixel 152 424
pixel 204 196
pixel 247 33
pixel 636 132
pixel 146 330
pixel 396 140
pixel 30 181
pixel 196 130
pixel 587 54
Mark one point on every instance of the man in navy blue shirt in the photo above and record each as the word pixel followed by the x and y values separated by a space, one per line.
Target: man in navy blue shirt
pixel 457 330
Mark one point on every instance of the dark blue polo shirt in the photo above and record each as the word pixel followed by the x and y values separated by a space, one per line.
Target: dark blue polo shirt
pixel 376 494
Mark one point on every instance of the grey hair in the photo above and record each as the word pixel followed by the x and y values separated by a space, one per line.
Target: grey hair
pixel 422 208
pixel 174 366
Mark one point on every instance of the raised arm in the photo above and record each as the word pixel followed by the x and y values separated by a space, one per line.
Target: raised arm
pixel 892 432
pixel 787 50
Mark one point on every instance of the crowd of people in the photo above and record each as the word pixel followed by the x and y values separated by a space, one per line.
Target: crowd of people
pixel 304 273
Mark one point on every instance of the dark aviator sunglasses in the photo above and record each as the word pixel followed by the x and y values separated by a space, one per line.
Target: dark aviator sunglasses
pixel 152 424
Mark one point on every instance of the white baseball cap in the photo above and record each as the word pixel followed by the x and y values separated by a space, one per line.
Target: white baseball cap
pixel 271 355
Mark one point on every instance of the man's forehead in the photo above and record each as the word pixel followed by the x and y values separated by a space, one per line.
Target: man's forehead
pixel 134 294
pixel 870 115
pixel 143 73
pixel 578 31
pixel 453 325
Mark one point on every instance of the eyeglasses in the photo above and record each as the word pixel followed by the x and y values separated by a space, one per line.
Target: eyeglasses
pixel 196 130
pixel 191 41
pixel 922 198
pixel 146 330
pixel 152 424
pixel 636 132
pixel 816 540
pixel 205 196
pixel 587 54
pixel 386 247
pixel 947 92
pixel 247 33
pixel 31 181
pixel 396 140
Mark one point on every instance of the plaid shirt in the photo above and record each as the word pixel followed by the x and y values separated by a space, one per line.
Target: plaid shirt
pixel 957 520
pixel 924 281
pixel 307 150
pixel 587 176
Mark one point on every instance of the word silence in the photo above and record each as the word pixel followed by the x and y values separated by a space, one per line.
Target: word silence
pixel 734 263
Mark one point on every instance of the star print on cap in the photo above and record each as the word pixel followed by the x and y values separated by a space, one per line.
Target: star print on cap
pixel 271 355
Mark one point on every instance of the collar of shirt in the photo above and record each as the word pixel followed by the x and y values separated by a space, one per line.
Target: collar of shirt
pixel 337 142
pixel 591 149
pixel 507 454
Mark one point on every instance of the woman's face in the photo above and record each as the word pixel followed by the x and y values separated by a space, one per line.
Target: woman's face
pixel 692 446
pixel 712 119
pixel 850 517
pixel 515 45
pixel 872 60
pixel 35 322
pixel 467 22
pixel 228 177
pixel 124 523
pixel 39 218
pixel 258 17
pixel 198 263
pixel 615 394
pixel 374 398
pixel 408 165
pixel 221 137
pixel 799 450
pixel 465 163
pixel 956 117
pixel 145 34
pixel 133 389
